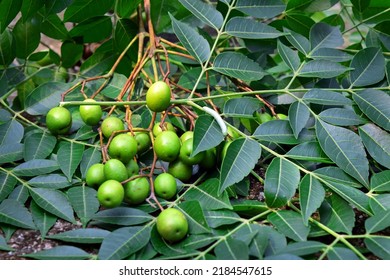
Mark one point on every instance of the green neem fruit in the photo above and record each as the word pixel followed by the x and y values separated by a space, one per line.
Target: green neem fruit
pixel 167 146
pixel 186 135
pixel 158 97
pixel 91 114
pixel 143 142
pixel 95 175
pixel 111 124
pixel 132 168
pixel 180 170
pixel 114 169
pixel 263 117
pixel 59 120
pixel 123 147
pixel 210 159
pixel 280 117
pixel 172 225
pixel 166 126
pixel 137 190
pixel 186 151
pixel 110 194
pixel 165 186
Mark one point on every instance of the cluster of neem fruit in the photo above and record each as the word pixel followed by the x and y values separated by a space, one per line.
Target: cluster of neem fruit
pixel 119 180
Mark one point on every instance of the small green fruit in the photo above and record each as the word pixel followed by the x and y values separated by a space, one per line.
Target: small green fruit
pixel 143 142
pixel 263 117
pixel 91 114
pixel 59 120
pixel 167 146
pixel 114 169
pixel 210 159
pixel 280 117
pixel 95 175
pixel 110 194
pixel 110 125
pixel 132 168
pixel 172 225
pixel 165 186
pixel 123 147
pixel 186 151
pixel 158 97
pixel 137 190
pixel 186 135
pixel 180 170
pixel 166 126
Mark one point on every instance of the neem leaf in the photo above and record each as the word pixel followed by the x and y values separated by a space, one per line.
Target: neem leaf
pixel 207 134
pixel 377 143
pixel 311 195
pixel 69 157
pixel 232 249
pixel 14 213
pixel 82 235
pixel 261 8
pixel 248 28
pixel 84 202
pixel 205 12
pixel 290 224
pixel 60 253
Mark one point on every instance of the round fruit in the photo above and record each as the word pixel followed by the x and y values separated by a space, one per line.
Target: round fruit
pixel 165 186
pixel 280 116
pixel 158 97
pixel 143 142
pixel 132 168
pixel 111 124
pixel 123 147
pixel 186 151
pixel 59 120
pixel 186 135
pixel 166 126
pixel 210 159
pixel 95 175
pixel 180 170
pixel 137 190
pixel 114 169
pixel 167 146
pixel 91 114
pixel 172 225
pixel 263 117
pixel 110 194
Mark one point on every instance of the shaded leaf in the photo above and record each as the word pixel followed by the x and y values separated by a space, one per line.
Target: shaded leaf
pixel 337 214
pixel 35 167
pixel 195 217
pixel 308 151
pixel 298 115
pixel 207 134
pixel 195 44
pixel 378 222
pixel 123 242
pixel 92 29
pixel 369 67
pixel 238 66
pixel 324 69
pixel 8 11
pixel 334 55
pixel 50 181
pixel 3 245
pixel 248 28
pixel 375 105
pixel 325 97
pixel 7 48
pixel 232 249
pixel 379 245
pixel 341 117
pixel 241 107
pixel 340 253
pixel 290 224
pixel 42 219
pixel 20 194
pixel 14 213
pixel 323 35
pixel 11 152
pixel 62 252
pixel 27 36
pixel 276 131
pixel 300 42
pixel 261 8
pixel 241 157
pixel 38 145
pixel 337 175
pixel 208 195
pixel 345 148
pixel 311 195
pixel 79 10
pixel 377 143
pixel 281 181
pixel 289 56
pixel 53 27
pixel 221 217
pixel 7 184
pixel 54 202
pixel 302 248
pixel 84 202
pixel 83 236
pixel 125 216
pixel 380 182
pixel 11 132
pixel 205 12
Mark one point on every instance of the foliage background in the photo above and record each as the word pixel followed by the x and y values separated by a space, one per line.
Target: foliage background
pixel 323 171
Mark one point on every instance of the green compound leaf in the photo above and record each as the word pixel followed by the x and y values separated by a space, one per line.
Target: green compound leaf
pixel 341 117
pixel 62 252
pixel 323 35
pixel 38 145
pixel 276 131
pixel 123 242
pixel 11 132
pixel 311 195
pixel 375 105
pixel 7 184
pixel 54 202
pixel 11 152
pixel 377 143
pixel 238 66
pixel 241 157
pixel 298 115
pixel 322 69
pixel 289 56
pixel 50 181
pixel 196 45
pixel 281 181
pixel 35 167
pixel 205 12
pixel 122 216
pixel 379 245
pixel 241 107
pixel 325 97
pixel 340 253
pixel 79 10
pixel 14 213
pixel 308 151
pixel 232 249
pixel 380 182
pixel 369 67
pixel 290 224
pixel 250 29
pixel 42 219
pixel 195 217
pixel 345 148
pixel 378 222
